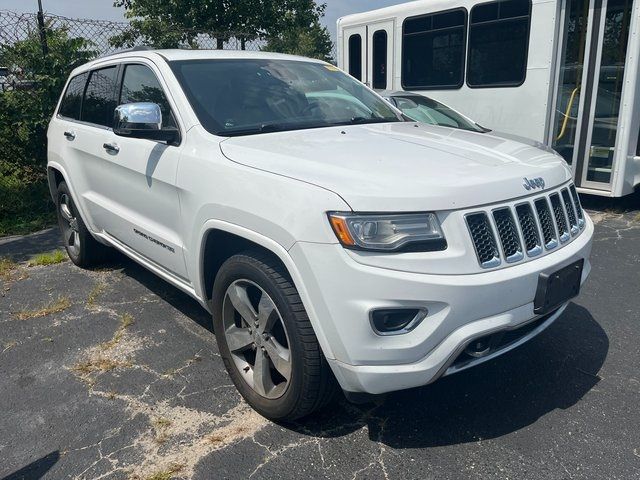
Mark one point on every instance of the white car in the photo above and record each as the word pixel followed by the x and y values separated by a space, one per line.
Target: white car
pixel 334 242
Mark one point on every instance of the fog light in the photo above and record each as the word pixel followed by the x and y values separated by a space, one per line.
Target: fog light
pixel 394 321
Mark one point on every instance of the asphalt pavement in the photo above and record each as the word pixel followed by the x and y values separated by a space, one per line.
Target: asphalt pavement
pixel 115 374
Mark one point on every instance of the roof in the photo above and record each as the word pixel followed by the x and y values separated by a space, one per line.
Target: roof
pixel 187 54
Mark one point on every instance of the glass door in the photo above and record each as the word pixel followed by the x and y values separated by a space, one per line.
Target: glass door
pixel 589 87
pixel 380 62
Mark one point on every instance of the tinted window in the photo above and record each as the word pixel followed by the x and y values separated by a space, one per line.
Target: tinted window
pixel 380 59
pixel 99 99
pixel 140 84
pixel 433 49
pixel 72 100
pixel 498 41
pixel 355 56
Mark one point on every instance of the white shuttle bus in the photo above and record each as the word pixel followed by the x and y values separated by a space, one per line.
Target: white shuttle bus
pixel 562 72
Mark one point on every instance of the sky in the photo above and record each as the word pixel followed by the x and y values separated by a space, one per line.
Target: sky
pixel 104 9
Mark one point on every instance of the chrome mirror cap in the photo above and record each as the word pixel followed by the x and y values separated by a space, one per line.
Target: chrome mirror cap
pixel 137 116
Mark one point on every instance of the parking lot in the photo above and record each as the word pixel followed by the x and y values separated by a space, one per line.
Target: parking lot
pixel 113 373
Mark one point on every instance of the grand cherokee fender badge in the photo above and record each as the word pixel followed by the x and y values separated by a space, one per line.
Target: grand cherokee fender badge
pixel 534 183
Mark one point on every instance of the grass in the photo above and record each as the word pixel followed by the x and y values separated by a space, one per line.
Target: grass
pixel 25 203
pixel 55 306
pixel 99 364
pixel 168 473
pixel 126 320
pixel 95 292
pixel 49 258
pixel 7 266
pixel 161 425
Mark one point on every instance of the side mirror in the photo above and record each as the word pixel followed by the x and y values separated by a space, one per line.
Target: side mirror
pixel 142 120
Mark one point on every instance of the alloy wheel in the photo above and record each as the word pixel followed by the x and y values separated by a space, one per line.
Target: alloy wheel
pixel 257 338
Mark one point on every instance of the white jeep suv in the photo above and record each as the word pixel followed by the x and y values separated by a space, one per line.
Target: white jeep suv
pixel 334 241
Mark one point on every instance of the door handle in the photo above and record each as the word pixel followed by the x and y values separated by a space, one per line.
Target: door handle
pixel 71 135
pixel 111 147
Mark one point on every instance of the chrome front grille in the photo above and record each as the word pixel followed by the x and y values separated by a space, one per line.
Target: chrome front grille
pixel 514 233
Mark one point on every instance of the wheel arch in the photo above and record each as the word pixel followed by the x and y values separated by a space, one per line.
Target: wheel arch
pixel 221 240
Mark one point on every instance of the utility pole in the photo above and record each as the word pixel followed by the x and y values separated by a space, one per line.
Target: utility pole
pixel 41 28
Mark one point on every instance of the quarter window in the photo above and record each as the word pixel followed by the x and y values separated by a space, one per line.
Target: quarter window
pixel 72 100
pixel 498 43
pixel 433 50
pixel 355 56
pixel 99 101
pixel 380 59
pixel 140 84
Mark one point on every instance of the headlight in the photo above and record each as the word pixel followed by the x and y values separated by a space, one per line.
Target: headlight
pixel 413 232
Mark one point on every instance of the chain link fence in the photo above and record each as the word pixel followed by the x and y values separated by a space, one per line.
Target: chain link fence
pixel 16 27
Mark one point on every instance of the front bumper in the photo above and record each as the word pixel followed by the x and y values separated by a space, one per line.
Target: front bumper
pixel 341 292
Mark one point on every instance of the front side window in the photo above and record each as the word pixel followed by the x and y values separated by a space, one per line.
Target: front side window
pixel 72 100
pixel 99 100
pixel 355 56
pixel 498 43
pixel 243 97
pixel 379 60
pixel 433 48
pixel 140 84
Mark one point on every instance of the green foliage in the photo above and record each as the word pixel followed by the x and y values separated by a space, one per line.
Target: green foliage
pixel 24 115
pixel 174 24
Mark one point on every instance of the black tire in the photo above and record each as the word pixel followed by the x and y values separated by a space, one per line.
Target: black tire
pixel 83 250
pixel 311 385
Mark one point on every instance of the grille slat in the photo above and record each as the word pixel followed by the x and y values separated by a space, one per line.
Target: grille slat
pixel 561 220
pixel 576 202
pixel 571 213
pixel 546 223
pixel 483 239
pixel 529 228
pixel 508 233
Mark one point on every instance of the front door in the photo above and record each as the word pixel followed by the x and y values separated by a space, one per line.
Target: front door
pixel 588 96
pixel 380 55
pixel 132 188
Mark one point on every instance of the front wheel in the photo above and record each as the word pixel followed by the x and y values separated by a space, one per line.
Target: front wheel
pixel 266 340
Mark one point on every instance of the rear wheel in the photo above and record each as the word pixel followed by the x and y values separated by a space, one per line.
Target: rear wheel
pixel 82 248
pixel 266 340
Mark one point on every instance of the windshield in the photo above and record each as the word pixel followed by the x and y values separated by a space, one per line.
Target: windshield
pixel 244 97
pixel 426 110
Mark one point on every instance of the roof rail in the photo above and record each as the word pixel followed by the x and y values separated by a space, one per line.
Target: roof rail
pixel 137 48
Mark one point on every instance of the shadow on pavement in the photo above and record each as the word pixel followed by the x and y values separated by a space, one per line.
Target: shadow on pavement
pixel 22 248
pixel 553 371
pixel 37 469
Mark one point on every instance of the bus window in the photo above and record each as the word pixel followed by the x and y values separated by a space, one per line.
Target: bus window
pixel 355 56
pixel 498 42
pixel 433 50
pixel 380 60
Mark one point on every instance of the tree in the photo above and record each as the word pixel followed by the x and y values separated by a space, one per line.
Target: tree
pixel 173 24
pixel 299 31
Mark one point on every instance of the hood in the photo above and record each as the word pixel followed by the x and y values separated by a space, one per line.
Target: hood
pixel 402 166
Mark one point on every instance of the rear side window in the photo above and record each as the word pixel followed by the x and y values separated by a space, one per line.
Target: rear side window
pixel 140 84
pixel 355 56
pixel 433 50
pixel 498 43
pixel 72 100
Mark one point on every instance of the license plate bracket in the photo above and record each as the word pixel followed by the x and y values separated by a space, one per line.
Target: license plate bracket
pixel 558 287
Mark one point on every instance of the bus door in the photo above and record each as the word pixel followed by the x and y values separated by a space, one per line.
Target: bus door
pixel 355 52
pixel 590 89
pixel 380 55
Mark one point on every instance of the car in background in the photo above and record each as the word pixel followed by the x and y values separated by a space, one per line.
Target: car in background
pixel 427 110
